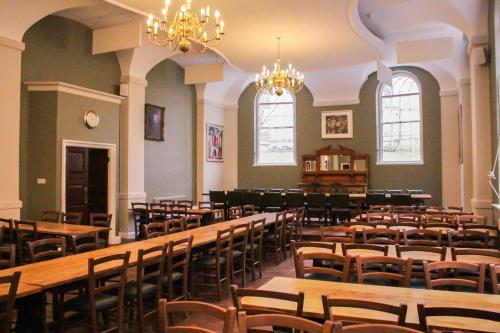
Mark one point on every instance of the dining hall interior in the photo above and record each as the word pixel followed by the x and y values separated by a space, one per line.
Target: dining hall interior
pixel 249 166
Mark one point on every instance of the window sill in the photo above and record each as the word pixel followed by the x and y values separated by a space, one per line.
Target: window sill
pixel 275 165
pixel 400 163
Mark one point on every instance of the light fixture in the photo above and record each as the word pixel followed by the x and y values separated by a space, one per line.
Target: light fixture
pixel 185 28
pixel 276 81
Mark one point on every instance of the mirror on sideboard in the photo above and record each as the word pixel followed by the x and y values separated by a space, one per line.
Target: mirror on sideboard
pixel 335 162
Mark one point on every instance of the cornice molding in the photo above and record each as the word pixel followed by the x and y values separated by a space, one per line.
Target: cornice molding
pixel 127 79
pixel 45 86
pixel 339 102
pixel 448 93
pixel 11 43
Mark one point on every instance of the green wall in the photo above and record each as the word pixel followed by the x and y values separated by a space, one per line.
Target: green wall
pixel 494 58
pixel 170 166
pixel 308 118
pixel 59 49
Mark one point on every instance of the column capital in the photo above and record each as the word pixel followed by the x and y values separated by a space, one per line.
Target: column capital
pixel 11 43
pixel 477 41
pixel 127 79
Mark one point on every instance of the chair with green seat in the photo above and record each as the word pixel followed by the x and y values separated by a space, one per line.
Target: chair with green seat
pixel 239 254
pixel 253 198
pixel 273 240
pixel 294 200
pixel 146 290
pixel 235 198
pixel 333 267
pixel 215 265
pixel 104 291
pixel 255 246
pixel 316 206
pixel 101 220
pixel 339 207
pixel 218 198
pixel 85 242
pixel 272 202
pixel 177 270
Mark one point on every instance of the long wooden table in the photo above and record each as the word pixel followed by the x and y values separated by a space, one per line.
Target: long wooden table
pixel 313 307
pixel 362 196
pixel 63 229
pixel 472 259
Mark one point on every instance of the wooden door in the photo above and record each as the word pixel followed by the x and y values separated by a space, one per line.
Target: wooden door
pixel 77 180
pixel 98 181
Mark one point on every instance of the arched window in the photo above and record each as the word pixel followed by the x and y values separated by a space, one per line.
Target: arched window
pixel 275 129
pixel 399 121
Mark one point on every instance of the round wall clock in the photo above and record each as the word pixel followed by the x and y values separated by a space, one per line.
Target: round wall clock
pixel 91 119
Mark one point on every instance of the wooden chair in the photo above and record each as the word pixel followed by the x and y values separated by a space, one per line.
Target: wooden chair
pixel 338 234
pixel 205 205
pixel 296 246
pixel 46 249
pixel 317 206
pixel 154 229
pixel 192 222
pixel 248 210
pixel 26 231
pixel 218 262
pixel 381 250
pixel 403 209
pixel 330 304
pixel 84 242
pixel 272 202
pixel 51 216
pixel 372 328
pixel 147 289
pixel 439 218
pixel 178 263
pixel 175 225
pixel 494 271
pixel 159 212
pixel 426 312
pixel 72 218
pixel 104 292
pixel 418 265
pixel 234 213
pixel 403 226
pixel 409 217
pixel 492 230
pixel 333 267
pixel 380 208
pixel 452 274
pixel 381 236
pixel 169 202
pixel 422 237
pixel 456 253
pixel 273 241
pixel 140 213
pixel 101 220
pixel 8 283
pixel 468 238
pixel 400 269
pixel 7 256
pixel 235 198
pixel 185 204
pixel 218 215
pixel 239 253
pixel 339 207
pixel 167 310
pixel 238 293
pixel 292 230
pixel 255 246
pixel 256 323
pixel 219 199
pixel 9 231
pixel 380 218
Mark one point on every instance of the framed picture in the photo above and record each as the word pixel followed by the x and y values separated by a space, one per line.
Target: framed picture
pixel 215 141
pixel 336 124
pixel 154 123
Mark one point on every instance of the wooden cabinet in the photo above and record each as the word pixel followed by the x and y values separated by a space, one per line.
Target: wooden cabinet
pixel 335 169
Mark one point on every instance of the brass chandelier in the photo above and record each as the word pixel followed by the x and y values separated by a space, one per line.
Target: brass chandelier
pixel 184 28
pixel 276 81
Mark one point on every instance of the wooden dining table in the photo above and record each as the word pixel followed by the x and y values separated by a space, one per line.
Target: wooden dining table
pixel 313 307
pixel 62 229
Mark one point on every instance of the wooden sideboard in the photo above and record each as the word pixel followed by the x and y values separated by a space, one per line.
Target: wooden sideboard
pixel 335 170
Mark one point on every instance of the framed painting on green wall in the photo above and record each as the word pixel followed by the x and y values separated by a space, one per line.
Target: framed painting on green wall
pixel 215 141
pixel 154 122
pixel 336 124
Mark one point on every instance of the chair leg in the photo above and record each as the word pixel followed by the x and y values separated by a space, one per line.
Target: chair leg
pixel 243 270
pixel 140 314
pixel 252 265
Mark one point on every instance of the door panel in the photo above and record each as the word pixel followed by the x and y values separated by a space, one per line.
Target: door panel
pixel 98 181
pixel 76 180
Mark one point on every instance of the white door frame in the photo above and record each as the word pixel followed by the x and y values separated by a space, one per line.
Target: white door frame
pixel 111 148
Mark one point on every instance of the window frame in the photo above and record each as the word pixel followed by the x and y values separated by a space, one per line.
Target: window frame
pixel 256 140
pixel 379 109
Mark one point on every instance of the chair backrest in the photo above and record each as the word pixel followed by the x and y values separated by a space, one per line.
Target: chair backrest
pixel 291 299
pixel 380 208
pixel 402 226
pixel 26 230
pixel 425 312
pixel 7 256
pixel 176 225
pixel 224 244
pixel 454 274
pixel 370 248
pixel 240 240
pixel 279 225
pixel 253 198
pixel 488 254
pixel 471 219
pixel 439 218
pixel 151 269
pixel 154 229
pixel 235 198
pixel 72 217
pixel 330 304
pixel 408 217
pixel 218 197
pixel 294 199
pixel 46 249
pixel 256 323
pixel 169 202
pixel 440 226
pixel 158 211
pixel 402 249
pixel 296 246
pixel 422 237
pixel 193 221
pixel 373 328
pixel 376 199
pixel 338 234
pixel 381 236
pixel 11 282
pixel 166 311
pixel 339 200
pixel 140 212
pixel 185 204
pixel 400 199
pixel 218 215
pixel 494 271
pixel 400 273
pixel 316 200
pixel 51 216
pixel 272 199
pixel 101 220
pixel 248 210
pixel 491 229
pixel 9 230
pixel 257 232
pixel 235 212
pixel 403 209
pixel 380 217
pixel 205 205
pixel 329 268
pixel 178 259
pixel 85 242
pixel 468 238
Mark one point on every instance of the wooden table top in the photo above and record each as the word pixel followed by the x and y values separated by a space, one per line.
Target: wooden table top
pixel 313 289
pixel 471 259
pixel 63 229
pixel 57 272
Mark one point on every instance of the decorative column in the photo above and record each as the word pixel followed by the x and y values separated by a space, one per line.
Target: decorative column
pixel 131 151
pixel 231 147
pixel 10 95
pixel 200 140
pixel 481 129
pixel 466 128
